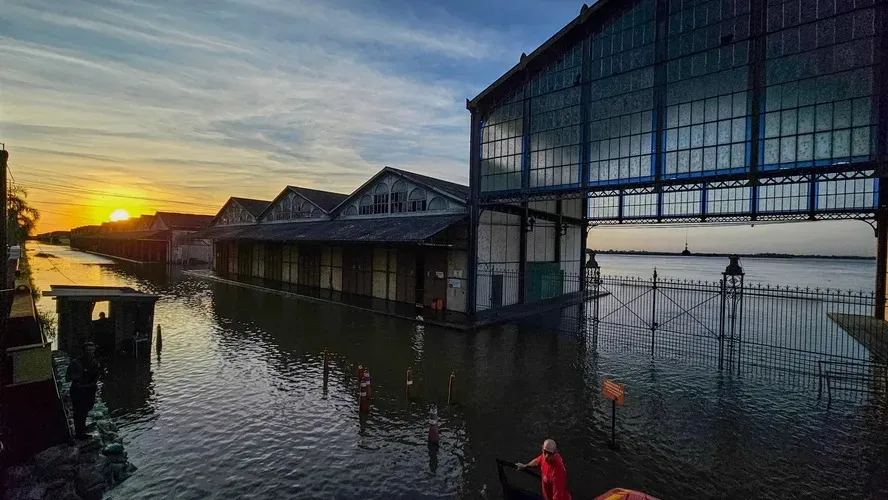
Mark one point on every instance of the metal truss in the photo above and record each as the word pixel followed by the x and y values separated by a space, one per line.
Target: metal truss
pixel 797 176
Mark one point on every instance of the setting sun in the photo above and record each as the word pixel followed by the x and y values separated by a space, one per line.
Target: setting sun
pixel 119 214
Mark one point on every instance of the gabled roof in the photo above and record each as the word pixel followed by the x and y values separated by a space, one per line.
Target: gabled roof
pixel 548 52
pixel 456 191
pixel 144 221
pixel 254 207
pixel 174 220
pixel 325 200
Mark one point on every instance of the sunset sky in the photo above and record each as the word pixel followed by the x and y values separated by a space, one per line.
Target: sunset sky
pixel 177 105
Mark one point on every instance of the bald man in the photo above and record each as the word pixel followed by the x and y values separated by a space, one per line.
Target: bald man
pixel 552 470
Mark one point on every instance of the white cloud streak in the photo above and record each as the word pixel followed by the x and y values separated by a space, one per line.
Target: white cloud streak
pixel 229 102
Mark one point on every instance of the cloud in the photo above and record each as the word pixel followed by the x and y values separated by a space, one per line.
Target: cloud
pixel 236 100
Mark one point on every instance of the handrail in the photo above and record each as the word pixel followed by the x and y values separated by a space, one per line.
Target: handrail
pixel 39 345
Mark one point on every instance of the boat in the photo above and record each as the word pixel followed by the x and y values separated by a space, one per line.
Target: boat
pixel 512 491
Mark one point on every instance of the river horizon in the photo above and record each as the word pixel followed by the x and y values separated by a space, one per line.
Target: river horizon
pixel 235 405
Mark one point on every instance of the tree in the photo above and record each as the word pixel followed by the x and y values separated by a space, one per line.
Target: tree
pixel 21 217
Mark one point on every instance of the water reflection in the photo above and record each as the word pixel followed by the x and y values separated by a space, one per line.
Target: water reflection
pixel 239 408
pixel 128 389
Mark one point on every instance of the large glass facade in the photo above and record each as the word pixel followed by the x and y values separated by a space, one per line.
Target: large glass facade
pixel 724 89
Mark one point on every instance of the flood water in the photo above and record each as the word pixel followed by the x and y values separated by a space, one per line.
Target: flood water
pixel 235 407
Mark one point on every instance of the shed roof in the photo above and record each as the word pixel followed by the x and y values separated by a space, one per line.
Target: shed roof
pixel 377 230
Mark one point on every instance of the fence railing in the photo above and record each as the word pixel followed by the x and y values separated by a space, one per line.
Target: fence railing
pixel 782 333
pixel 754 329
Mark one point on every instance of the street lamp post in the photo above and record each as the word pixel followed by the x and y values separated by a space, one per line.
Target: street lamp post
pixel 731 310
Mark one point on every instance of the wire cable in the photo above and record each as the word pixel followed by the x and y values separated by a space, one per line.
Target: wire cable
pixel 40 249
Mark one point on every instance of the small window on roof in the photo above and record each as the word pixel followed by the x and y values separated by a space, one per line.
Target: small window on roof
pixel 380 198
pixel 417 200
pixel 366 205
pixel 305 211
pixel 438 203
pixel 351 210
pixel 399 197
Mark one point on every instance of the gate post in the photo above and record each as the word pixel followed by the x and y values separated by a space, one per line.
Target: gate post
pixel 593 290
pixel 732 278
pixel 653 312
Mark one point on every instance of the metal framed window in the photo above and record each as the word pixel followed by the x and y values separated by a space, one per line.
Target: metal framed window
pixel 366 205
pixel 502 146
pixel 380 199
pixel 437 203
pixel 417 201
pixel 399 197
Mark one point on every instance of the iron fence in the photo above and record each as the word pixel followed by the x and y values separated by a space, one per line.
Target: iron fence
pixel 787 334
pixel 778 332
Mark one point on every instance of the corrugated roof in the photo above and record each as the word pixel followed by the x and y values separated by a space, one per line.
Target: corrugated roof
pixel 382 230
pixel 255 207
pixel 327 200
pixel 457 190
pixel 220 232
pixel 154 234
pixel 184 221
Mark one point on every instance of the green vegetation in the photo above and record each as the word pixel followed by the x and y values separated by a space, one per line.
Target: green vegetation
pixel 21 218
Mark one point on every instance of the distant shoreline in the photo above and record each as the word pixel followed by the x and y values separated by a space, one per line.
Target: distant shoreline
pixel 764 255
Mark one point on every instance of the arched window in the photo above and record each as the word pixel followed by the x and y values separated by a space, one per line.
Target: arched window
pixel 417 200
pixel 305 211
pixel 438 203
pixel 380 198
pixel 399 197
pixel 366 206
pixel 351 210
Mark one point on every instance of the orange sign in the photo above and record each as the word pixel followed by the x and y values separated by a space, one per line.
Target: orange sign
pixel 612 390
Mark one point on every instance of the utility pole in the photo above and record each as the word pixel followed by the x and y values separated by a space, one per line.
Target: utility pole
pixel 4 245
pixel 5 295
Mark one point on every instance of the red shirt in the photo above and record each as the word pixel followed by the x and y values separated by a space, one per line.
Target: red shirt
pixel 554 478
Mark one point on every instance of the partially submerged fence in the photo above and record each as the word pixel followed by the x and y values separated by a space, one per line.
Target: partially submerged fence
pixel 733 326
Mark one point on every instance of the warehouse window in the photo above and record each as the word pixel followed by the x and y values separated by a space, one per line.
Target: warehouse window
pixel 366 206
pixel 399 197
pixel 437 204
pixel 417 201
pixel 380 199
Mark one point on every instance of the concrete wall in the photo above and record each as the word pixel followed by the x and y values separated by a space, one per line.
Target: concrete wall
pixel 498 255
pixel 499 252
pixel 541 241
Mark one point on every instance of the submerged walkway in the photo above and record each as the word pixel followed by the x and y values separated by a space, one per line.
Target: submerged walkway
pixel 403 310
pixel 872 333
